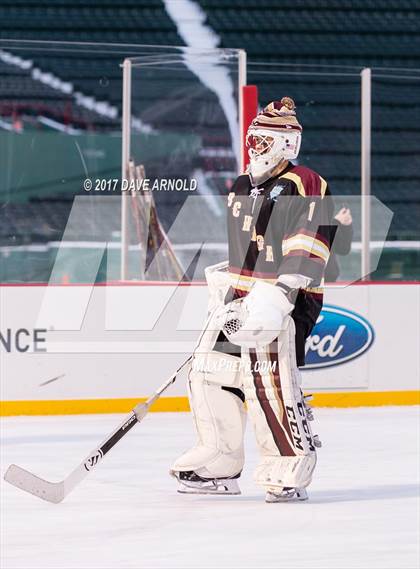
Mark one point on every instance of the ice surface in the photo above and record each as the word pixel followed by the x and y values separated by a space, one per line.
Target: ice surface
pixel 362 510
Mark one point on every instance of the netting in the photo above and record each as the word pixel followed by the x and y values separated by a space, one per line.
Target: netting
pixel 60 126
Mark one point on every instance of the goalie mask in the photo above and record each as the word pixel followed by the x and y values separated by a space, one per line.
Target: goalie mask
pixel 274 136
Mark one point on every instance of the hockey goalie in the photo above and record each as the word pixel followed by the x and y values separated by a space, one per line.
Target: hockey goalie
pixel 263 305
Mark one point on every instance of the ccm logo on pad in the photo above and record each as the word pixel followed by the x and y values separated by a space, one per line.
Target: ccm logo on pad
pixel 338 336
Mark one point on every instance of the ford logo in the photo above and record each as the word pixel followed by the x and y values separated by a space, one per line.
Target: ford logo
pixel 339 335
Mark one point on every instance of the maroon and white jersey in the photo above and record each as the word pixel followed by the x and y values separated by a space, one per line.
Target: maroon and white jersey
pixel 284 226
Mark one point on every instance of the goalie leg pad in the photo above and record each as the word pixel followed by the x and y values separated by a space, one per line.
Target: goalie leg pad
pixel 278 412
pixel 216 400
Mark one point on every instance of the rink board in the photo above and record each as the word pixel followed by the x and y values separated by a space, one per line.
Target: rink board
pixel 82 349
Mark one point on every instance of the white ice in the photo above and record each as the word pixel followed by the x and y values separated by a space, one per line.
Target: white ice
pixel 363 509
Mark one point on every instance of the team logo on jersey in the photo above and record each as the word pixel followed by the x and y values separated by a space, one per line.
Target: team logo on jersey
pixel 255 192
pixel 275 192
pixel 338 336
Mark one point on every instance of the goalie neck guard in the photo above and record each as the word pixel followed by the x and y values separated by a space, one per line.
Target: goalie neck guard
pixel 273 137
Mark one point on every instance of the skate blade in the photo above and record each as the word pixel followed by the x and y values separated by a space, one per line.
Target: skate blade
pixel 299 495
pixel 224 489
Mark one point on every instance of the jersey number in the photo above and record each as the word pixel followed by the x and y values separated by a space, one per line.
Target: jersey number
pixel 311 211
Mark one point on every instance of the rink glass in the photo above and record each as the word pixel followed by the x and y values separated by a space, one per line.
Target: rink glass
pixel 61 124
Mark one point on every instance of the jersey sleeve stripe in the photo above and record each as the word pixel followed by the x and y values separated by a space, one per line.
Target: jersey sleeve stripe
pixel 243 273
pixel 305 243
pixel 311 234
pixel 305 254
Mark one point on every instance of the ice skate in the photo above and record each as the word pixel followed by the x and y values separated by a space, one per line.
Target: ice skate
pixel 286 495
pixel 192 483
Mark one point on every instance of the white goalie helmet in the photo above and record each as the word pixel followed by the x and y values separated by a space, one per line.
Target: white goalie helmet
pixel 274 136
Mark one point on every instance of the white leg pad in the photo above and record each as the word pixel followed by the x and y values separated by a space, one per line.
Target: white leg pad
pixel 278 413
pixel 219 413
pixel 274 472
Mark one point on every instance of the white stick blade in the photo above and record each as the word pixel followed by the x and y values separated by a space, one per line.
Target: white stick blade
pixel 50 491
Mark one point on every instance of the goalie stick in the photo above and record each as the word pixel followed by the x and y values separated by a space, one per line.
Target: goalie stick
pixel 55 492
